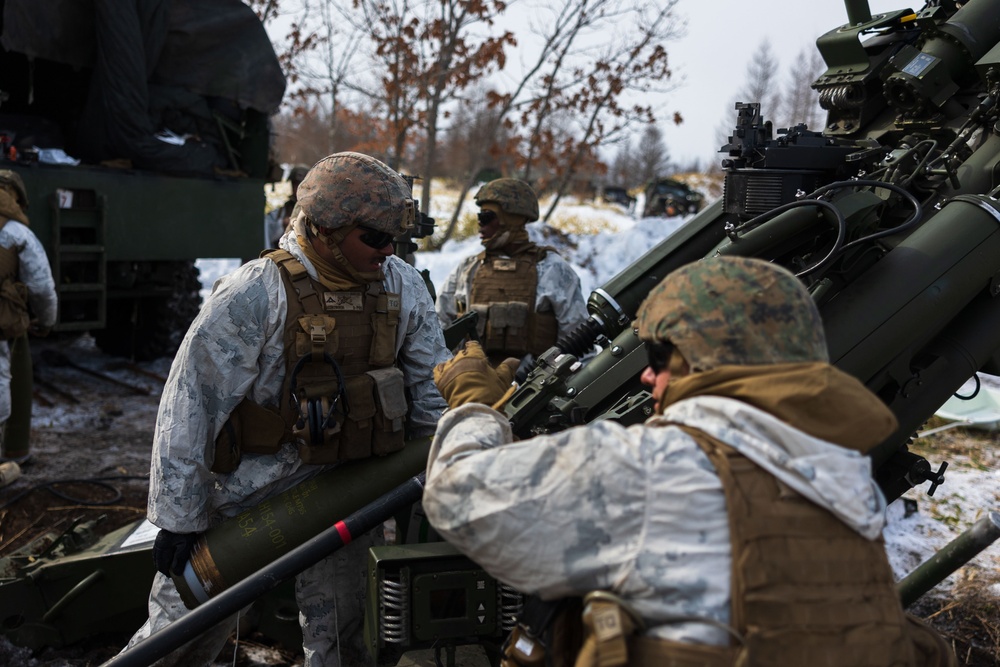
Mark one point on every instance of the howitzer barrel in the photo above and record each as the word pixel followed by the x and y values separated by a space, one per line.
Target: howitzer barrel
pixel 954 555
pixel 249 589
pixel 917 288
pixel 962 349
pixel 233 550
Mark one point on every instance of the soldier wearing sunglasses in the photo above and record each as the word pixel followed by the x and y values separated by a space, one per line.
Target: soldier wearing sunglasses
pixel 316 353
pixel 526 295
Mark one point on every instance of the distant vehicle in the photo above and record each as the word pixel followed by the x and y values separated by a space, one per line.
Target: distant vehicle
pixel 614 194
pixel 669 197
pixel 143 142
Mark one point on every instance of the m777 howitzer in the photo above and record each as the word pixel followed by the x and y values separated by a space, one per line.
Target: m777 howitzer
pixel 888 215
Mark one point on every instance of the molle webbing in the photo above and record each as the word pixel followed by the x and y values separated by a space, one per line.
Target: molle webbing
pixel 340 348
pixel 806 589
pixel 342 397
pixel 504 292
pixel 9 263
pixel 14 320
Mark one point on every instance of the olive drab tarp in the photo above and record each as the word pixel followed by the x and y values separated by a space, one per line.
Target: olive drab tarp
pixel 150 63
pixel 209 47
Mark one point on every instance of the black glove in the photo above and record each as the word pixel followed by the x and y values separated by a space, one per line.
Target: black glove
pixel 172 550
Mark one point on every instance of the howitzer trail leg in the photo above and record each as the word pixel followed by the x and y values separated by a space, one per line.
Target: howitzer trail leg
pixel 952 556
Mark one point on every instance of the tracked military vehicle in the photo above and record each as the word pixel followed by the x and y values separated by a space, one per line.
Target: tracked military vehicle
pixel 670 197
pixel 141 132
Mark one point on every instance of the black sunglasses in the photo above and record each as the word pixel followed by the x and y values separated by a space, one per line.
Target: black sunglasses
pixel 486 217
pixel 373 238
pixel 659 355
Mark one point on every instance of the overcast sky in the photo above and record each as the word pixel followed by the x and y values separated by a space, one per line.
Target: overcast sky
pixel 722 36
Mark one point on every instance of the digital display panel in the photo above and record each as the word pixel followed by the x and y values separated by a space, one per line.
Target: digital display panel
pixel 448 603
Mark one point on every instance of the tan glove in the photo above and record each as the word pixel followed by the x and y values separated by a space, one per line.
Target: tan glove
pixel 468 377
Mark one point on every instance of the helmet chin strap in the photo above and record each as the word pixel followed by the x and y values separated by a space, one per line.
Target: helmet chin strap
pixel 511 229
pixel 332 240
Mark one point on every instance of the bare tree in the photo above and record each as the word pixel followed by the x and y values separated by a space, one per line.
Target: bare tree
pixel 427 55
pixel 591 85
pixel 499 142
pixel 301 134
pixel 652 156
pixel 624 167
pixel 760 85
pixel 474 142
pixel 801 101
pixel 573 19
pixel 389 26
pixel 457 63
pixel 553 118
pixel 317 54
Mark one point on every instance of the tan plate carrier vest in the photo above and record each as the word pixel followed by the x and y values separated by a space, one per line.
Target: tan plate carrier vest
pixel 342 398
pixel 503 293
pixel 14 318
pixel 807 591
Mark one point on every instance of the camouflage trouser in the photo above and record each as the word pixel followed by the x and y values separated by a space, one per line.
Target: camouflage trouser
pixel 330 596
pixel 4 381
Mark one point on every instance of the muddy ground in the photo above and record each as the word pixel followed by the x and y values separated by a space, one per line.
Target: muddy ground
pixel 92 429
pixel 93 421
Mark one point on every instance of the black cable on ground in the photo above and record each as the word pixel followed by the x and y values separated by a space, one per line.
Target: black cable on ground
pixel 101 482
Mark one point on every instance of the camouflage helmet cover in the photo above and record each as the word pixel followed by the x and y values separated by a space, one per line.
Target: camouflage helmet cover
pixel 13 179
pixel 734 311
pixel 512 195
pixel 347 189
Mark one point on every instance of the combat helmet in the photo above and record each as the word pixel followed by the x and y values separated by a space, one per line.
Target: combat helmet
pixel 734 311
pixel 512 195
pixel 346 189
pixel 13 179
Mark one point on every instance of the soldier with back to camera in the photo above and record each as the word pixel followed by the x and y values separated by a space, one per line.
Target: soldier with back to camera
pixel 331 318
pixel 526 295
pixel 738 526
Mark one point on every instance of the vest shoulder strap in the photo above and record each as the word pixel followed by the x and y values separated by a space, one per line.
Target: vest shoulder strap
pixel 718 453
pixel 298 283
